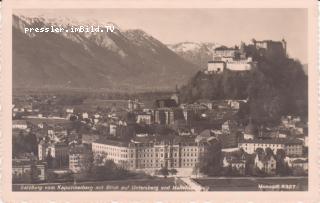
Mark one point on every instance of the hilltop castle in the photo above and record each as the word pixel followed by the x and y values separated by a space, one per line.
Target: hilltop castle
pixel 235 58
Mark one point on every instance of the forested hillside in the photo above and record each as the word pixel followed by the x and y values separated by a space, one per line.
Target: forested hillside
pixel 276 87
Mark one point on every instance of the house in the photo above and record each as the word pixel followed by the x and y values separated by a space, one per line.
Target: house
pixel 58 151
pixel 69 110
pixel 250 131
pixel 79 158
pixel 224 52
pixel 144 118
pixel 216 66
pixel 85 115
pixel 165 103
pixel 265 163
pixel 167 116
pixel 134 105
pixel 277 47
pixel 300 164
pixel 234 104
pixel 292 147
pixel 112 129
pixel 227 126
pixel 237 164
pixel 27 171
pixel 206 103
pixel 19 124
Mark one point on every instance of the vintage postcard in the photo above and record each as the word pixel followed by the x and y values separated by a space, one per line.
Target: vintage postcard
pixel 159 101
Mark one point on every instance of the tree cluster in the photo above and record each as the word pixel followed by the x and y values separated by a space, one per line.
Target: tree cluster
pixel 269 86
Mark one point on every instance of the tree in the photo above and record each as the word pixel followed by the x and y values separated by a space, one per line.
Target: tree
pixel 259 150
pixel 164 172
pixel 50 160
pixel 210 160
pixel 196 169
pixel 108 171
pixel 173 171
pixel 282 167
pixel 269 151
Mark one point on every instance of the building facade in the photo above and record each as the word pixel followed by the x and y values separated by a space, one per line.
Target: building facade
pixel 291 147
pixel 79 158
pixel 146 153
pixel 58 151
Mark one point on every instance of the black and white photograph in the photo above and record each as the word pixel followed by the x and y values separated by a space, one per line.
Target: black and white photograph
pixel 160 99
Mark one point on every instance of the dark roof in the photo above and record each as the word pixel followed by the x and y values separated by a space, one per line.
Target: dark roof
pixel 206 133
pixel 162 103
pixel 24 162
pixel 20 122
pixel 267 41
pixel 298 161
pixel 117 143
pixel 79 149
pixel 216 62
pixel 273 141
pixel 224 48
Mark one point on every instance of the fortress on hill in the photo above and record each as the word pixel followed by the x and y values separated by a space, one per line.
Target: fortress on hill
pixel 236 59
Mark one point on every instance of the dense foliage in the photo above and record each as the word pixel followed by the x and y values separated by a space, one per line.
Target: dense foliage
pixel 276 86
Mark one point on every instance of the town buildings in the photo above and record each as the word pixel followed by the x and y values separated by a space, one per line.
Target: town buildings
pixel 80 158
pixel 144 118
pixel 291 147
pixel 25 170
pixel 58 151
pixel 278 47
pixel 235 59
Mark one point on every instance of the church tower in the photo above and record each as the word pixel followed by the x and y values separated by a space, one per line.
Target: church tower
pixel 175 95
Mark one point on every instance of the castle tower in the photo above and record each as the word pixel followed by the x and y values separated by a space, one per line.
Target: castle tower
pixel 284 44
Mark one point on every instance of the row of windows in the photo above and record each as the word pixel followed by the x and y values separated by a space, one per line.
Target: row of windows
pixel 266 145
pixel 106 147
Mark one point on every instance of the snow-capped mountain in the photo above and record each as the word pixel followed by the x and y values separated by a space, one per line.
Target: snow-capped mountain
pixel 196 53
pixel 122 59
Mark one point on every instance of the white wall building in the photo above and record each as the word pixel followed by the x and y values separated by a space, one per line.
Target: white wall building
pixel 216 66
pixel 291 147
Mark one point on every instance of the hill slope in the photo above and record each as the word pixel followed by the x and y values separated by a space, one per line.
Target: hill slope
pixel 119 60
pixel 276 87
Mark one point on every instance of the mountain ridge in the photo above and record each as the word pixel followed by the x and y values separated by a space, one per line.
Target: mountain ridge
pixel 119 60
pixel 198 53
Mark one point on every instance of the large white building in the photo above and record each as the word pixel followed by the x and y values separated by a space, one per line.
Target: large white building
pixel 150 153
pixel 291 147
pixel 216 66
pixel 115 151
pixel 229 58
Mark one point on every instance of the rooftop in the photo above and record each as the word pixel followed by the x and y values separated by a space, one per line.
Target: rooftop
pixel 273 141
pixel 117 143
pixel 19 122
pixel 224 48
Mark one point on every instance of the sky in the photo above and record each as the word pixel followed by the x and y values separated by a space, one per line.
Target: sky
pixel 224 26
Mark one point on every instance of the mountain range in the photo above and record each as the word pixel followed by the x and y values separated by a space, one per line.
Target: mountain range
pixel 128 60
pixel 196 53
